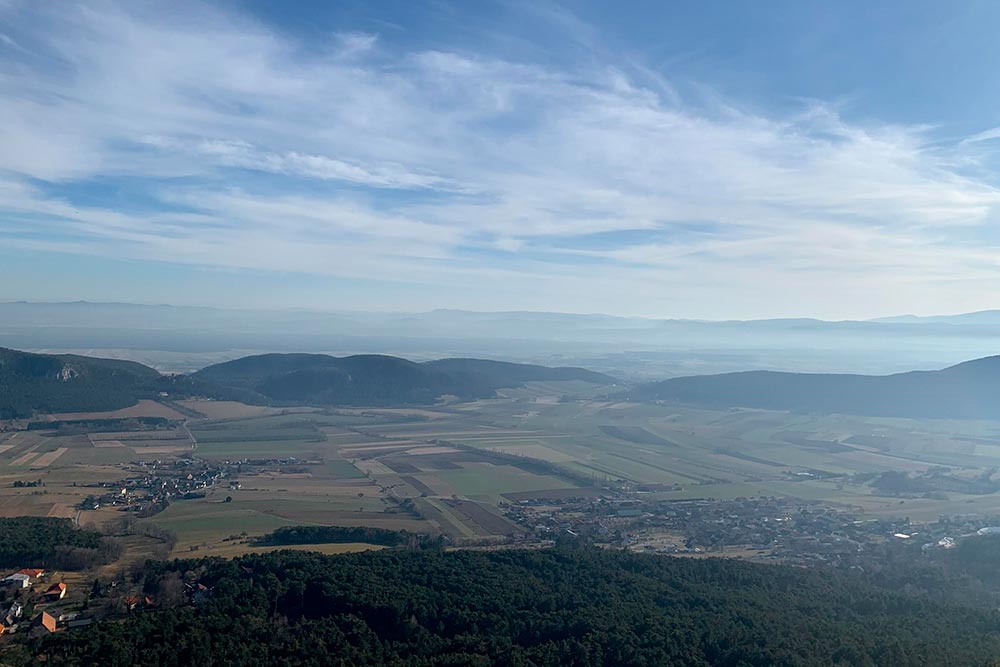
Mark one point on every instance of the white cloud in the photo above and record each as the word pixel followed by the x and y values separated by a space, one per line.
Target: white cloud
pixel 445 168
pixel 985 135
pixel 238 153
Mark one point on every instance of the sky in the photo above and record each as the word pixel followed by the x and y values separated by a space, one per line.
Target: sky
pixel 663 159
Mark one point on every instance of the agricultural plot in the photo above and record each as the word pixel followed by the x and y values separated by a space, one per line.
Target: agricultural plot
pixel 144 408
pixel 484 521
pixel 226 409
pixel 210 522
pixel 488 481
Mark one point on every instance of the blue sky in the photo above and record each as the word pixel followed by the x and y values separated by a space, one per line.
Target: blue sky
pixel 705 160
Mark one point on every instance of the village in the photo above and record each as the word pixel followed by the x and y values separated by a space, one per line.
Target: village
pixel 32 602
pixel 159 483
pixel 29 602
pixel 778 529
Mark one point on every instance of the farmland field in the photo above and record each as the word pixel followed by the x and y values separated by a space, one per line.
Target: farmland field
pixel 451 469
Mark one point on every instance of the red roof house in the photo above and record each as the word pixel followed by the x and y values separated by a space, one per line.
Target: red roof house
pixel 47 621
pixel 56 592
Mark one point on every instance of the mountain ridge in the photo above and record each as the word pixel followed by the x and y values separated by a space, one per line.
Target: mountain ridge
pixel 967 390
pixel 322 379
pixel 34 383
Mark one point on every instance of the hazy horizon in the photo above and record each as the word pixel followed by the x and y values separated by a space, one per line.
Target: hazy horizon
pixel 182 339
pixel 332 310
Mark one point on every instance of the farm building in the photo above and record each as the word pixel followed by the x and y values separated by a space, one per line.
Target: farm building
pixel 13 614
pixel 55 592
pixel 46 621
pixel 17 580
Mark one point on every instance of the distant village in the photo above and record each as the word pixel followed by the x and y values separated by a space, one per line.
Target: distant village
pixel 778 529
pixel 153 484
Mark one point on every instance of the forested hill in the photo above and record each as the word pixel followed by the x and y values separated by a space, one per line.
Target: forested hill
pixel 967 391
pixel 45 383
pixel 376 379
pixel 69 383
pixel 528 608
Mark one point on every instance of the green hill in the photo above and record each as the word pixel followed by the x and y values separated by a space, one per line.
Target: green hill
pixel 69 383
pixel 38 383
pixel 965 391
pixel 375 379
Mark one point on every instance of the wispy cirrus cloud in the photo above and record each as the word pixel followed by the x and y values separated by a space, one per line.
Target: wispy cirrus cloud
pixel 244 148
pixel 239 153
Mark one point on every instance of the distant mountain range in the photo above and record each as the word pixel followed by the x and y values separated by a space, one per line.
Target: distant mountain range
pixel 182 339
pixel 969 390
pixel 982 317
pixel 32 383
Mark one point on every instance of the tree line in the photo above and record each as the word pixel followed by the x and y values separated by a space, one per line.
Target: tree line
pixel 289 535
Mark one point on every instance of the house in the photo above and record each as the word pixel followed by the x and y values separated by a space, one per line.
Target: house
pixel 201 594
pixel 46 621
pixel 17 580
pixel 33 572
pixel 55 592
pixel 13 613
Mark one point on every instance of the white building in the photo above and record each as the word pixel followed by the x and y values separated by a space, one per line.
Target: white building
pixel 18 580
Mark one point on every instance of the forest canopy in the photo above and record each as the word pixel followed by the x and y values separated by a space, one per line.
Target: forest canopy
pixel 556 607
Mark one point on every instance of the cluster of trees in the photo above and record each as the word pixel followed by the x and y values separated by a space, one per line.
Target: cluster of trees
pixel 112 424
pixel 560 607
pixel 54 543
pixel 289 535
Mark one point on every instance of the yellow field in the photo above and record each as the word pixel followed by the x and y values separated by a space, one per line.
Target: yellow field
pixel 226 409
pixel 144 408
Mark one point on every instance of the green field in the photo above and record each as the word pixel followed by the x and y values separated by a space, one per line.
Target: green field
pixel 238 449
pixel 197 523
pixel 485 481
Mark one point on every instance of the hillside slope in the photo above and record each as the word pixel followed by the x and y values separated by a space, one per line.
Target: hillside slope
pixel 69 383
pixel 542 608
pixel 376 379
pixel 966 391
